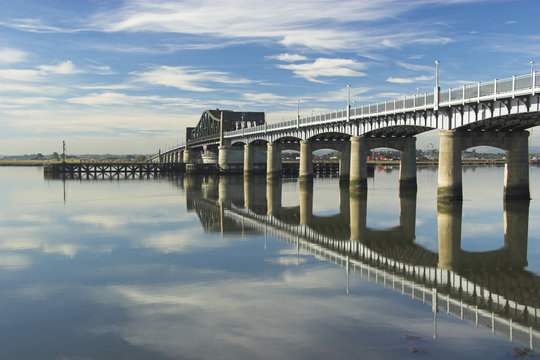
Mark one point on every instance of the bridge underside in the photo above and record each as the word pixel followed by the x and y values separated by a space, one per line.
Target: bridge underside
pixel 513 122
pixel 398 131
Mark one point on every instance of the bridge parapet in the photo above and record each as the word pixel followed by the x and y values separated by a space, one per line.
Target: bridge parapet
pixel 475 93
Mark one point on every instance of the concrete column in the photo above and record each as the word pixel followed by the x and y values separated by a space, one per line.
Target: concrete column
pixel 273 160
pixel 449 182
pixel 516 230
pixel 249 166
pixel 407 164
pixel 188 156
pixel 407 212
pixel 358 167
pixel 345 163
pixel 223 160
pixel 516 172
pixel 306 202
pixel 358 215
pixel 306 160
pixel 273 195
pixel 449 215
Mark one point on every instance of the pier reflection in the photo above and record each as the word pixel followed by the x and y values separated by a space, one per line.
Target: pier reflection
pixel 490 288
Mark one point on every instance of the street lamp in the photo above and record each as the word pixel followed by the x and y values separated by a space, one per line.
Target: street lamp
pixel 348 96
pixel 437 62
pixel 532 67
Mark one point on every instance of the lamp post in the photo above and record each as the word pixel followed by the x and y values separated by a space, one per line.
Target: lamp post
pixel 437 62
pixel 532 67
pixel 348 102
pixel 298 114
pixel 436 90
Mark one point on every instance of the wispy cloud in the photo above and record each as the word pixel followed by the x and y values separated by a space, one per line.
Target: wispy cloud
pixel 39 74
pixel 399 80
pixel 102 69
pixel 116 98
pixel 324 67
pixel 288 57
pixel 28 100
pixel 416 67
pixel 32 25
pixel 107 98
pixel 264 98
pixel 21 75
pixel 11 56
pixel 322 25
pixel 106 87
pixel 186 78
pixel 63 68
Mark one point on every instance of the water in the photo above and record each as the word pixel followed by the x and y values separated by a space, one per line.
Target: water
pixel 167 268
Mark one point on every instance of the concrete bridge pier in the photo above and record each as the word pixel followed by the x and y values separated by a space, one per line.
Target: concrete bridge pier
pixel 230 159
pixel 249 163
pixel 407 165
pixel 273 160
pixel 516 172
pixel 306 202
pixel 189 156
pixel 345 163
pixel 516 177
pixel 358 163
pixel 450 180
pixel 306 161
pixel 449 215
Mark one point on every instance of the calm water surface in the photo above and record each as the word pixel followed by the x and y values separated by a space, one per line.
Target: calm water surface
pixel 162 268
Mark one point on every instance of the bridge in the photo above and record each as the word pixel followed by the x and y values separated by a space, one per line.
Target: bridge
pixel 489 289
pixel 496 113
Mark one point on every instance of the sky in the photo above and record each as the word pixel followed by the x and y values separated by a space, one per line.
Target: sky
pixel 127 77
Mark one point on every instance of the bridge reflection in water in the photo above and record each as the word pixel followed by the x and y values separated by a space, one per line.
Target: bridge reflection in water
pixel 491 289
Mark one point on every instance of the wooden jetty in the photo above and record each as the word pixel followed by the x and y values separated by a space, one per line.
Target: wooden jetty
pixel 102 170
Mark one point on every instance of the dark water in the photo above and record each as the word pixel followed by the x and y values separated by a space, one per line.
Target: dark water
pixel 209 268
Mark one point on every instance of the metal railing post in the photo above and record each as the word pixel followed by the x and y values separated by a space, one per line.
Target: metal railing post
pixel 533 82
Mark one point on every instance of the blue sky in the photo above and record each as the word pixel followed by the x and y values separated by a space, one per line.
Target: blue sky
pixel 128 77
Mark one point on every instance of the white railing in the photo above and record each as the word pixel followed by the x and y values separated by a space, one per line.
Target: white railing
pixel 467 93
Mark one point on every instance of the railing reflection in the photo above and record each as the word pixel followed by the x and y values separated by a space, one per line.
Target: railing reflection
pixel 490 288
